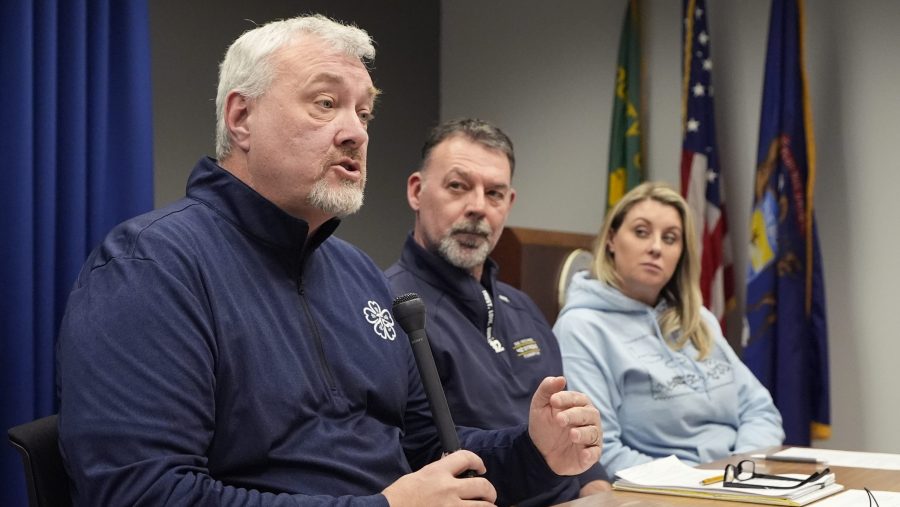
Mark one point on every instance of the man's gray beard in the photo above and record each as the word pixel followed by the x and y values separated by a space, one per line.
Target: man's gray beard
pixel 344 200
pixel 462 257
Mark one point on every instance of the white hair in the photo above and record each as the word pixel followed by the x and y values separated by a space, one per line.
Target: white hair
pixel 248 68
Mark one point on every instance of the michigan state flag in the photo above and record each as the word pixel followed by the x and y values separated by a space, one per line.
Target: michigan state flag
pixel 625 136
pixel 786 346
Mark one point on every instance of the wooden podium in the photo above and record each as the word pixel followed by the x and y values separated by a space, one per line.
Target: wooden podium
pixel 533 260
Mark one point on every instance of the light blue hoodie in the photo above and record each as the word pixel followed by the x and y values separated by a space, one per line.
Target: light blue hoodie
pixel 655 401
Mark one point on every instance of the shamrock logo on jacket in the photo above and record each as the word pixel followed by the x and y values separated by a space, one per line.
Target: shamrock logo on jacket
pixel 381 320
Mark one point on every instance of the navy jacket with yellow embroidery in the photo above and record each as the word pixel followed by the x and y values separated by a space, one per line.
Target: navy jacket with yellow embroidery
pixel 489 382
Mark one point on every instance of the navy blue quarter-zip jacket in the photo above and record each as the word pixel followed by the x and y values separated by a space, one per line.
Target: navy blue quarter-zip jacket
pixel 212 354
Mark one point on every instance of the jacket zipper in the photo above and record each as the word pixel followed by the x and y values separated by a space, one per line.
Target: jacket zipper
pixel 494 343
pixel 320 347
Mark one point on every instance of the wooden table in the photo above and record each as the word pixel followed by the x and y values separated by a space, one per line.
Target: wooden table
pixel 851 478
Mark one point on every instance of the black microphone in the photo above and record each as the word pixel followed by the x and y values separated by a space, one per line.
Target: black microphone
pixel 409 312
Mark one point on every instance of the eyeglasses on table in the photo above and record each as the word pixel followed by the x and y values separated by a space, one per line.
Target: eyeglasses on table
pixel 736 476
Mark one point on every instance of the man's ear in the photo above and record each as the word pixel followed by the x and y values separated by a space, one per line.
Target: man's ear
pixel 237 119
pixel 413 189
pixel 512 197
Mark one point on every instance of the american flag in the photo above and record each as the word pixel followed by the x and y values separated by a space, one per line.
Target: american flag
pixel 701 182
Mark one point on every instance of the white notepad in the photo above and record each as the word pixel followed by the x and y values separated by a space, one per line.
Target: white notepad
pixel 669 476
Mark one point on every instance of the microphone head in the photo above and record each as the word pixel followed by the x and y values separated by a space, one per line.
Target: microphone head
pixel 409 312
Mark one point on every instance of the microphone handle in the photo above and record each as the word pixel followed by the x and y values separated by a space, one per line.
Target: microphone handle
pixel 434 391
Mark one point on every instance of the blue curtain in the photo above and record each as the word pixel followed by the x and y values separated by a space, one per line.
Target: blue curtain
pixel 75 89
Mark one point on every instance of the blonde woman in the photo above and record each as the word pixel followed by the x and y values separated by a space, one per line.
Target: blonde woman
pixel 636 339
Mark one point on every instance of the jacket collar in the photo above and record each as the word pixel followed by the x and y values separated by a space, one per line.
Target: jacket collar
pixel 455 281
pixel 252 213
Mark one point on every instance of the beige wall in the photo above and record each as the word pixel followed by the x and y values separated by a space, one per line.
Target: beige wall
pixel 544 72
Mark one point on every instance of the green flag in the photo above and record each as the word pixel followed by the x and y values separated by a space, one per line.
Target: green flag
pixel 625 171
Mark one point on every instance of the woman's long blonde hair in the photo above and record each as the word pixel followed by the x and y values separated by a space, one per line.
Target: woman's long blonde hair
pixel 682 292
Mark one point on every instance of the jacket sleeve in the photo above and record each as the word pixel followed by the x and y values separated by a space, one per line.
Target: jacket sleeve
pixel 759 422
pixel 514 466
pixel 137 361
pixel 595 473
pixel 587 369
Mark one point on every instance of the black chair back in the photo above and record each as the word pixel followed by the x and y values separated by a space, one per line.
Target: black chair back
pixel 45 476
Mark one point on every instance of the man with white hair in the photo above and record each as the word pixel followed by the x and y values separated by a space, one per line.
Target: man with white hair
pixel 228 350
